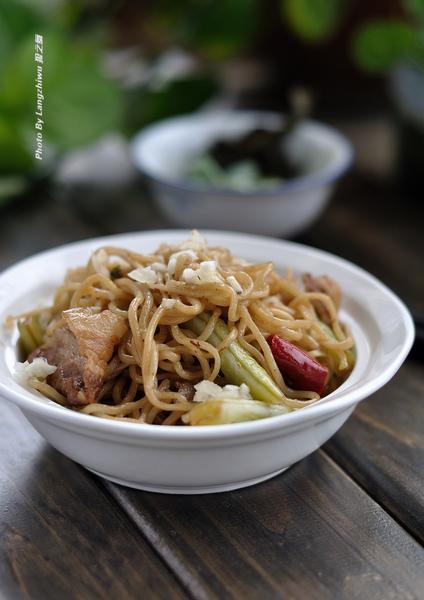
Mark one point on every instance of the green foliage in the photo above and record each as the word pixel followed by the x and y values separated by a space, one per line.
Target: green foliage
pixel 215 28
pixel 377 46
pixel 313 20
pixel 177 97
pixel 220 28
pixel 415 8
pixel 80 102
pixel 380 45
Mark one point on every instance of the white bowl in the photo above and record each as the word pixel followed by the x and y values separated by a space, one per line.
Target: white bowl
pixel 220 457
pixel 164 151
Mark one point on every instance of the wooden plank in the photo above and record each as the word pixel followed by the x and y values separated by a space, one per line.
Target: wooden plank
pixel 382 447
pixel 309 533
pixel 62 536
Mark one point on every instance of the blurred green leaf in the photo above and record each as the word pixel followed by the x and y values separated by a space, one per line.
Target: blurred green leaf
pixel 379 46
pixel 221 27
pixel 216 28
pixel 313 20
pixel 415 8
pixel 15 156
pixel 178 97
pixel 17 21
pixel 11 186
pixel 80 102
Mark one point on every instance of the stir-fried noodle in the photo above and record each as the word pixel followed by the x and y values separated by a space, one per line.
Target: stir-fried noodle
pixel 152 299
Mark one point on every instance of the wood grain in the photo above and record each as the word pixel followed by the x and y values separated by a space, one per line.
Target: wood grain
pixel 61 535
pixel 309 533
pixel 382 447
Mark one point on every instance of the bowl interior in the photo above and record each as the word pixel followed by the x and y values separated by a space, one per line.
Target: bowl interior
pixel 380 323
pixel 166 149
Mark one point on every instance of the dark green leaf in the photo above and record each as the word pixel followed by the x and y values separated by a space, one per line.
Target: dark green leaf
pixel 380 45
pixel 15 154
pixel 415 9
pixel 217 28
pixel 17 22
pixel 220 28
pixel 313 20
pixel 179 96
pixel 80 102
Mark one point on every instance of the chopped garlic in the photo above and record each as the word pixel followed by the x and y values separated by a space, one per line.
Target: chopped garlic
pixel 118 260
pixel 206 273
pixel 158 266
pixel 39 368
pixel 172 263
pixel 205 390
pixel 144 275
pixel 232 281
pixel 168 302
pixel 99 260
pixel 195 242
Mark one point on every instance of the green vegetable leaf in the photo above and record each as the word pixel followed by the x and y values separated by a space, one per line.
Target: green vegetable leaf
pixel 15 155
pixel 313 20
pixel 220 412
pixel 18 19
pixel 216 28
pixel 237 364
pixel 80 103
pixel 379 46
pixel 220 28
pixel 178 96
pixel 415 9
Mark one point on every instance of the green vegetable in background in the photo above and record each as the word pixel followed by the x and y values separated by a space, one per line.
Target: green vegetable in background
pixel 80 102
pixel 215 28
pixel 313 20
pixel 146 104
pixel 380 45
pixel 243 175
pixel 376 46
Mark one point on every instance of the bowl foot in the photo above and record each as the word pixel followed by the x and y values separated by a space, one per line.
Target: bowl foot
pixel 207 489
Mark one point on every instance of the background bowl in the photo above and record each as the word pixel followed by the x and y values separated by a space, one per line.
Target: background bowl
pixel 210 458
pixel 164 151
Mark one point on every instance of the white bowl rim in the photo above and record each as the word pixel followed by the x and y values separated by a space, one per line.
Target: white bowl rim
pixel 30 402
pixel 325 176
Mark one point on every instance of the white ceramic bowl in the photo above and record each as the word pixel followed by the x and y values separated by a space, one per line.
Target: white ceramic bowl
pixel 220 457
pixel 164 151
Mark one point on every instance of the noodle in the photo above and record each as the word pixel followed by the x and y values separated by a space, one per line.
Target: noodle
pixel 159 352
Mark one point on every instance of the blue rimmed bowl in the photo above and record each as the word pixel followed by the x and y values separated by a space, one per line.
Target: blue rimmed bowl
pixel 164 151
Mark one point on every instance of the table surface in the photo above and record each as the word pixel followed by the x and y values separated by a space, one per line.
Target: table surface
pixel 346 522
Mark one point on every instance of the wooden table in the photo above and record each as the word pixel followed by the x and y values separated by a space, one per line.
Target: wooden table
pixel 347 522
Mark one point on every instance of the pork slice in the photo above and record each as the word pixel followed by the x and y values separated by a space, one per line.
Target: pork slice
pixel 81 351
pixel 323 285
pixel 62 350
